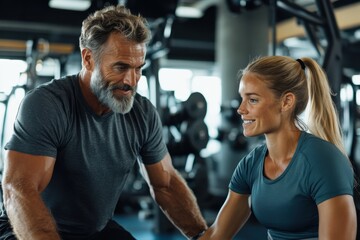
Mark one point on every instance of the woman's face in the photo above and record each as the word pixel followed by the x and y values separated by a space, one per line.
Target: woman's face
pixel 260 110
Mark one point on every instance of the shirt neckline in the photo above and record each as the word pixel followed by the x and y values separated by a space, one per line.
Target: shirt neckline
pixel 293 159
pixel 84 103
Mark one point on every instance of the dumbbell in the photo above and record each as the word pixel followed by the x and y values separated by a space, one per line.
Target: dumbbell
pixel 194 138
pixel 193 108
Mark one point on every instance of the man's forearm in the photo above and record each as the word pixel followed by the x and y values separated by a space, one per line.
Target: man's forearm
pixel 29 217
pixel 180 206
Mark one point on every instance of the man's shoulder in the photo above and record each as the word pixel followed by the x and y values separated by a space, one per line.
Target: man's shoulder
pixel 57 93
pixel 143 103
pixel 55 88
pixel 141 99
pixel 60 84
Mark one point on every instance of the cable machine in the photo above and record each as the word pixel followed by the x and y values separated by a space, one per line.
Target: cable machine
pixel 322 25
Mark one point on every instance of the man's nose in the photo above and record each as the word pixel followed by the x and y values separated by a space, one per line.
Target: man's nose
pixel 130 77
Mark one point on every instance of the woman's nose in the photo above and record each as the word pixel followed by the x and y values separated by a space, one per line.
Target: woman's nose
pixel 241 109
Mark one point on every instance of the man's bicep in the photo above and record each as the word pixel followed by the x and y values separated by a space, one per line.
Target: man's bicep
pixel 158 174
pixel 30 171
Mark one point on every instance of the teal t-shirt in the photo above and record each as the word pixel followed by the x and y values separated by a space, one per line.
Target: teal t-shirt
pixel 287 205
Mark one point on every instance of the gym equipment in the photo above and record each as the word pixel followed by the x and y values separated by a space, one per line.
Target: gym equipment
pixel 186 134
pixel 325 20
pixel 347 115
pixel 230 131
pixel 6 100
pixel 184 121
pixel 321 26
pixel 184 124
pixel 234 146
pixel 193 138
pixel 193 108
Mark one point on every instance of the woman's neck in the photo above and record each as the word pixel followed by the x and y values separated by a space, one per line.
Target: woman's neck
pixel 282 146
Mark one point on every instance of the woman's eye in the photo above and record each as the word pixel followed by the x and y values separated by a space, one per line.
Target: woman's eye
pixel 253 100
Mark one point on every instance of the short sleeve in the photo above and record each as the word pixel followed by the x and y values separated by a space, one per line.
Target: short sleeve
pixel 331 174
pixel 38 125
pixel 238 181
pixel 246 172
pixel 154 147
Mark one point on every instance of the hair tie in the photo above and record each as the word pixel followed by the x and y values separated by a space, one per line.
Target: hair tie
pixel 301 63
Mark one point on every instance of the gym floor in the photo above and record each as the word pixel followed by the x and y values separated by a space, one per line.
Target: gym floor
pixel 137 212
pixel 146 229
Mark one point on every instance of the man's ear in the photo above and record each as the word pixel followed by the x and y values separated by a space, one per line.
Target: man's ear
pixel 288 101
pixel 87 59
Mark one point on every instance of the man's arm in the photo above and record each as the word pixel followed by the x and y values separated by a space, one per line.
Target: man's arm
pixel 337 218
pixel 174 197
pixel 25 177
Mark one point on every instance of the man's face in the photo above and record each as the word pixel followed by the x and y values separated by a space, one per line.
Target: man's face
pixel 116 74
pixel 118 103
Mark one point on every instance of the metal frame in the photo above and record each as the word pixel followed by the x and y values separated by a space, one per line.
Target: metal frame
pixel 333 56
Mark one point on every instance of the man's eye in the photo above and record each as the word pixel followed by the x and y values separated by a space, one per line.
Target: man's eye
pixel 120 68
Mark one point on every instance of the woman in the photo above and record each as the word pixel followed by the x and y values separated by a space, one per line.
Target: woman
pixel 299 183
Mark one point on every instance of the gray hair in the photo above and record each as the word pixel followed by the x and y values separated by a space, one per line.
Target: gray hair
pixel 98 26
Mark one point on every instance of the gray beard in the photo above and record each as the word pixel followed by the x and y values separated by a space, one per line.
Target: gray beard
pixel 105 95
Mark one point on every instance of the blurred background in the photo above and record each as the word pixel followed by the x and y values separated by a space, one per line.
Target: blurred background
pixel 198 47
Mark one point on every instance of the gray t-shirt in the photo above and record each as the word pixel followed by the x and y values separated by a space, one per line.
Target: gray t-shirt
pixel 287 205
pixel 94 154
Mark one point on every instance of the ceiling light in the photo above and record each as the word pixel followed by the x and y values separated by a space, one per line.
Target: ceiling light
pixel 293 42
pixel 188 12
pixel 356 79
pixel 74 5
pixel 195 9
pixel 357 34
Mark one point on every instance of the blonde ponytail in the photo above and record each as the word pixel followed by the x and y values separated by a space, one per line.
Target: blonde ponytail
pixel 307 80
pixel 323 119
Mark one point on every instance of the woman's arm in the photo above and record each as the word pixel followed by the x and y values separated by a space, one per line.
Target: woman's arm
pixel 232 216
pixel 337 218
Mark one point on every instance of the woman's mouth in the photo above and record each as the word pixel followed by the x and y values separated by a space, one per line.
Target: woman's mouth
pixel 248 121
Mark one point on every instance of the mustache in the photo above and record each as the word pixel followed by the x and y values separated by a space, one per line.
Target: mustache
pixel 124 87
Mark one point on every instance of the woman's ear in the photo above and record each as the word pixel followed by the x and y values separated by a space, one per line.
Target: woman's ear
pixel 288 101
pixel 87 59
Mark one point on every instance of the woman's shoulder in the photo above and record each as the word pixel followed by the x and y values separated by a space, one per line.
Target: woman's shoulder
pixel 318 151
pixel 314 144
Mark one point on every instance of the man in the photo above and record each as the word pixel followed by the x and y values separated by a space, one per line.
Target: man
pixel 77 138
